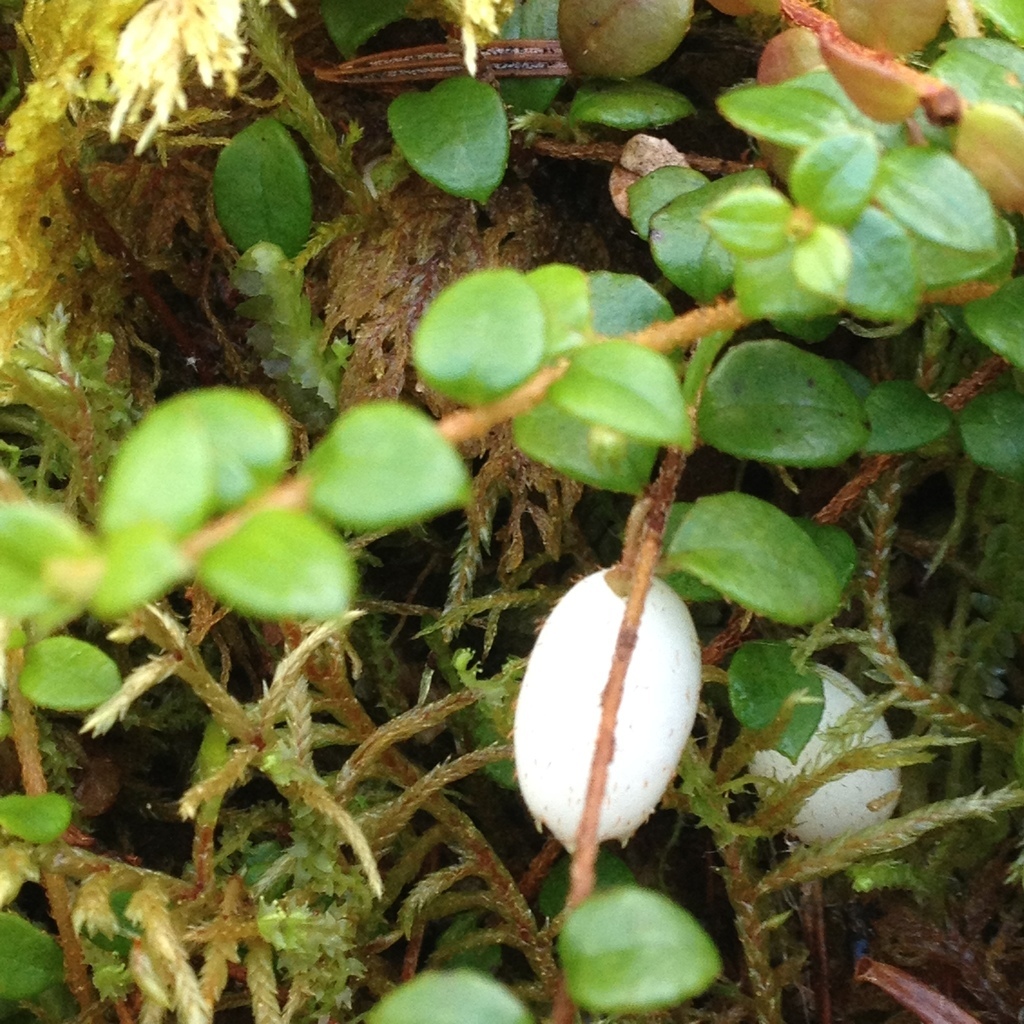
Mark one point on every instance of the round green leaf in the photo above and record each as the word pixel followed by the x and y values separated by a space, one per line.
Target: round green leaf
pixel 65 674
pixel 822 262
pixel 656 190
pixel 992 428
pixel 281 565
pixel 142 562
pixel 770 401
pixel 769 288
pixel 787 114
pixel 39 547
pixel 32 961
pixel 757 556
pixel 36 819
pixel 593 455
pixel 751 221
pixel 933 196
pixel 624 303
pixel 455 136
pixel 996 321
pixel 633 950
pixel 564 294
pixel 351 22
pixel 836 546
pixel 384 465
pixel 761 677
pixel 193 456
pixel 449 997
pixel 903 418
pixel 984 69
pixel 261 189
pixel 629 106
pixel 834 178
pixel 884 283
pixel 628 388
pixel 482 337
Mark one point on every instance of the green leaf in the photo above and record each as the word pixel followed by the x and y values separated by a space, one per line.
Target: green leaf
pixel 65 674
pixel 771 401
pixel 630 389
pixel 656 190
pixel 194 456
pixel 984 70
pixel 628 106
pixel 32 960
pixel 564 294
pixel 40 549
pixel 281 565
pixel 787 114
pixel 384 465
pixel 761 677
pixel 683 246
pixel 455 136
pixel 449 997
pixel 482 337
pixel 992 428
pixel 593 455
pixel 768 288
pixel 822 262
pixel 261 189
pixel 835 177
pixel 351 22
pixel 624 303
pixel 36 819
pixel 608 872
pixel 903 418
pixel 757 556
pixel 751 221
pixel 883 283
pixel 836 546
pixel 142 562
pixel 633 950
pixel 939 266
pixel 1006 15
pixel 933 196
pixel 997 320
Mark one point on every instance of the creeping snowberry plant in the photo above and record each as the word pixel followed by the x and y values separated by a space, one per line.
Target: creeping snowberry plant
pixel 689 333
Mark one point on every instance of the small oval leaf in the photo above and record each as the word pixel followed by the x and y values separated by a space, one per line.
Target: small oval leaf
pixel 461 996
pixel 65 674
pixel 628 106
pixel 757 556
pixel 36 819
pixel 32 960
pixel 992 428
pixel 384 465
pixel 633 950
pixel 903 418
pixel 261 189
pixel 281 565
pixel 455 136
pixel 481 337
pixel 769 400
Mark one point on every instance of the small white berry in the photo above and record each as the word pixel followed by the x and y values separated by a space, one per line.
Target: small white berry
pixel 849 802
pixel 559 708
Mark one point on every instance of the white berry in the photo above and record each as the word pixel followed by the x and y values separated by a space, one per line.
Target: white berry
pixel 559 708
pixel 849 802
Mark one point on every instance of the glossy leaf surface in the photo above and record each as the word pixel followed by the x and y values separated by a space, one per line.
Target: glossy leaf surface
pixel 384 465
pixel 351 22
pixel 261 189
pixel 996 320
pixel 632 949
pixel 883 283
pixel 751 221
pixel 903 418
pixel 455 136
pixel 32 960
pixel 992 428
pixel 628 106
pixel 482 337
pixel 656 190
pixel 835 177
pixel 624 303
pixel 630 389
pixel 771 401
pixel 36 819
pixel 281 565
pixel 757 556
pixel 66 674
pixel 450 997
